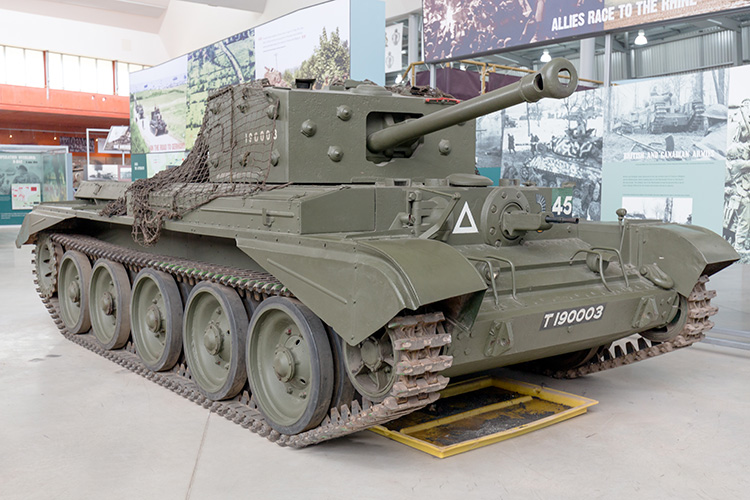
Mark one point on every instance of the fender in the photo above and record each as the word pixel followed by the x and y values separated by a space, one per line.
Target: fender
pixel 39 220
pixel 358 286
pixel 685 253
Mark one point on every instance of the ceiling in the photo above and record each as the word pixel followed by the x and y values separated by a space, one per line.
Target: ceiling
pixel 138 15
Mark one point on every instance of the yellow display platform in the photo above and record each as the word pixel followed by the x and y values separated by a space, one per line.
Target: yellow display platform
pixel 479 412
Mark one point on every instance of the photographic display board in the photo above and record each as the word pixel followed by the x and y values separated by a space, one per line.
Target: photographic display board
pixel 30 178
pixel 158 107
pixel 168 101
pixel 459 28
pixel 393 43
pixel 552 142
pixel 676 149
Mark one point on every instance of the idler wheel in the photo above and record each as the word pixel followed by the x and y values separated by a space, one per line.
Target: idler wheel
pixel 156 315
pixel 371 365
pixel 213 336
pixel 109 299
pixel 289 365
pixel 673 328
pixel 73 282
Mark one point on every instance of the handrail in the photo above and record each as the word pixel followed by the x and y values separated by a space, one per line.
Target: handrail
pixel 597 251
pixel 487 68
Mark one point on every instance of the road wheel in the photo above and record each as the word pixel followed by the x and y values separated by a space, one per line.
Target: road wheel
pixel 213 336
pixel 289 365
pixel 109 303
pixel 156 315
pixel 73 282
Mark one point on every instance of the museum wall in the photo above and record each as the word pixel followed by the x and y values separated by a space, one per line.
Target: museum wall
pixel 37 32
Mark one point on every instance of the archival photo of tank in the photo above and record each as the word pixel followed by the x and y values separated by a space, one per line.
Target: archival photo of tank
pixel 227 62
pixel 678 210
pixel 678 118
pixel 158 107
pixel 736 228
pixel 552 143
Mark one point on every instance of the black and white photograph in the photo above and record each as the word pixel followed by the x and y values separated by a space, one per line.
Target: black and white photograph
pixel 454 28
pixel 551 143
pixel 664 208
pixel 737 184
pixel 103 172
pixel 676 118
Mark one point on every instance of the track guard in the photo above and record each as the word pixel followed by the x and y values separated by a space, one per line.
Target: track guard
pixel 357 286
pixel 684 253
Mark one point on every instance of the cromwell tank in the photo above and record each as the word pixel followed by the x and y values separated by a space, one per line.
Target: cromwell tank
pixel 324 261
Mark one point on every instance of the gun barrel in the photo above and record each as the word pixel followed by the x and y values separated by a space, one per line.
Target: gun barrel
pixel 557 79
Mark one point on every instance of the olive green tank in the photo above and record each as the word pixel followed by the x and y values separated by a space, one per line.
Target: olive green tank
pixel 324 261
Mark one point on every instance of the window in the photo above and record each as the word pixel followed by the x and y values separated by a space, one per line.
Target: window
pixel 123 76
pixel 21 67
pixel 25 67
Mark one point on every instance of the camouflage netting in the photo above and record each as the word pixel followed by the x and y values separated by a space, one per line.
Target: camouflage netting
pixel 418 91
pixel 231 157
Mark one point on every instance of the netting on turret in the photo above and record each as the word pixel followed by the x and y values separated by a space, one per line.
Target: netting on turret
pixel 231 157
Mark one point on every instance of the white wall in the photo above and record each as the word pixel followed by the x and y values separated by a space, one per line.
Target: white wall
pixel 188 26
pixel 32 31
pixel 185 26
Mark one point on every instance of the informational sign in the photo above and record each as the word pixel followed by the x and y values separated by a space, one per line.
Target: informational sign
pixel 102 172
pixel 126 173
pixel 393 45
pixel 308 43
pixel 736 221
pixel 118 140
pixel 555 143
pixel 158 107
pixel 329 41
pixel 25 196
pixel 459 28
pixel 158 162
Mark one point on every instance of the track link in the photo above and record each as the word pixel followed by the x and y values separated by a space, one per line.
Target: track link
pixel 418 339
pixel 698 312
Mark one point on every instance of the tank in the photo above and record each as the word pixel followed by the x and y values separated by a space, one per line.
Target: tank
pixel 325 261
pixel 663 114
pixel 157 124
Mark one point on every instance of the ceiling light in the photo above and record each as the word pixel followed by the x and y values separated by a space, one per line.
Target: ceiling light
pixel 641 38
pixel 545 56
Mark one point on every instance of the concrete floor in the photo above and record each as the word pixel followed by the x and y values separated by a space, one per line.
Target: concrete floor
pixel 74 425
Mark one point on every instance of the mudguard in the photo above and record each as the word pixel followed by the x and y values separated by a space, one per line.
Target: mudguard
pixel 685 253
pixel 39 220
pixel 358 286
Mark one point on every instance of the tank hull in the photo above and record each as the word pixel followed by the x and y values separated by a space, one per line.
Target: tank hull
pixel 357 281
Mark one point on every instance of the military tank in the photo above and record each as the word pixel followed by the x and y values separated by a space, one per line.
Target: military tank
pixel 157 125
pixel 324 261
pixel 664 115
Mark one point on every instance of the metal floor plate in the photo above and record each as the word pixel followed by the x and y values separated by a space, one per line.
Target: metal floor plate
pixel 478 412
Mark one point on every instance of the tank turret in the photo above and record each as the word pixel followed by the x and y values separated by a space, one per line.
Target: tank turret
pixel 361 135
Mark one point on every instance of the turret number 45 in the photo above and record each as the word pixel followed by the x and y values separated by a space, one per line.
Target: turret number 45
pixel 563 206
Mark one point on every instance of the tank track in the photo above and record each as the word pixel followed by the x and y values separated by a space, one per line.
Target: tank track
pixel 699 311
pixel 418 339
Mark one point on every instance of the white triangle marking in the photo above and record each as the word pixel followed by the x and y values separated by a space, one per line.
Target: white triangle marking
pixel 465 214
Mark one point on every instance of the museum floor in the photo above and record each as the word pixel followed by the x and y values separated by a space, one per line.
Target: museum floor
pixel 76 426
